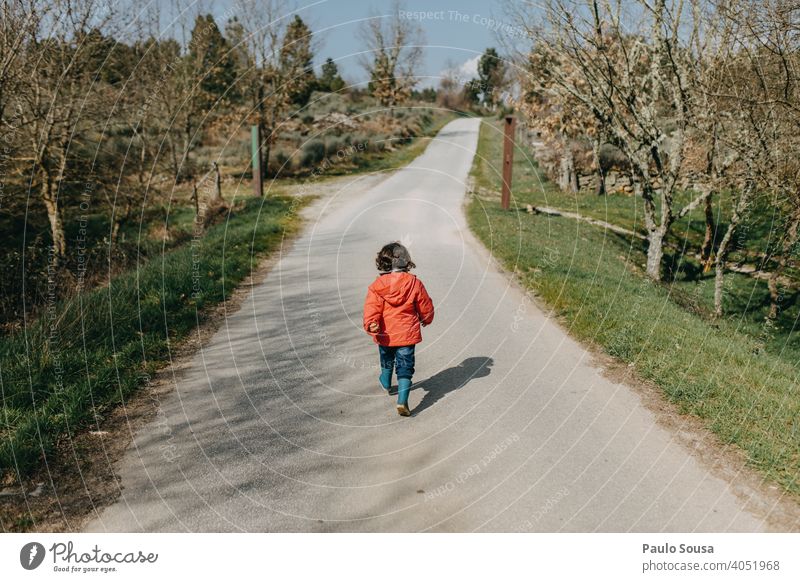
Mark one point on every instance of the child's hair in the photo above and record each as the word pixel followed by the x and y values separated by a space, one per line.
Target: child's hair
pixel 394 256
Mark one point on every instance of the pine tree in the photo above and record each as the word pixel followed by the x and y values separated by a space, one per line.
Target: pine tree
pixel 490 74
pixel 236 37
pixel 472 91
pixel 212 62
pixel 296 64
pixel 330 80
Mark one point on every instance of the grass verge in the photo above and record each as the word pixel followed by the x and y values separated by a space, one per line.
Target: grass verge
pixel 591 278
pixel 89 353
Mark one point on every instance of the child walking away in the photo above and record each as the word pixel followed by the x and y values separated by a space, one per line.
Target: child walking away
pixel 395 307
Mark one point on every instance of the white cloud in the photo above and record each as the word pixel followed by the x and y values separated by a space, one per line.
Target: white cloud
pixel 464 72
pixel 469 68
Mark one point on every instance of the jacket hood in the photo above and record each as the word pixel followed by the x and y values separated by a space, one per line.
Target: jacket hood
pixel 395 288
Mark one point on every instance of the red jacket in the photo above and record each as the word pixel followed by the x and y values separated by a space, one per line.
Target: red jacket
pixel 397 302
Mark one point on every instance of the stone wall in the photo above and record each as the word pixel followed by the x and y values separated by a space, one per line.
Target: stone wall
pixel 616 183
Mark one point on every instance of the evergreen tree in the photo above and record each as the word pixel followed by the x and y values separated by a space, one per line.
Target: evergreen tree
pixel 111 61
pixel 491 73
pixel 472 92
pixel 330 80
pixel 212 63
pixel 236 37
pixel 296 64
pixel 427 94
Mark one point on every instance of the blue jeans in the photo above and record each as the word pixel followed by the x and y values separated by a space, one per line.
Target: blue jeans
pixel 400 357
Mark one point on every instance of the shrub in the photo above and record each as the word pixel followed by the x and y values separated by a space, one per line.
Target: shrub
pixel 333 146
pixel 313 153
pixel 278 163
pixel 361 138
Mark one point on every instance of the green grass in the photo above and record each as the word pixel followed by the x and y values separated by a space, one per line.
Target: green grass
pixel 746 299
pixel 63 373
pixel 740 378
pixel 627 211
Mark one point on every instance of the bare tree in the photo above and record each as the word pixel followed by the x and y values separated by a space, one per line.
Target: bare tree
pixel 772 36
pixel 634 75
pixel 451 88
pixel 136 110
pixel 394 55
pixel 19 21
pixel 268 85
pixel 752 88
pixel 56 101
pixel 559 119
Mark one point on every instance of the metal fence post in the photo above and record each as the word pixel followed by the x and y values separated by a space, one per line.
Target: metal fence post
pixel 258 188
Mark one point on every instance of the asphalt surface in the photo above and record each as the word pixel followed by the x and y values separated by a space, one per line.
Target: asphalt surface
pixel 278 423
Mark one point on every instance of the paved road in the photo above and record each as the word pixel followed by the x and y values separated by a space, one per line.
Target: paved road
pixel 279 424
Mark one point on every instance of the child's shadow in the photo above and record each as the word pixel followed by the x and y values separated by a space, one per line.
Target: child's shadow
pixel 439 385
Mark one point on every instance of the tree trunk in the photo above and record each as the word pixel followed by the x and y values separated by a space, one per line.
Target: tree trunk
pixel 122 218
pixel 719 264
pixel 56 222
pixel 174 155
pixel 117 220
pixel 217 183
pixel 708 239
pixel 655 231
pixel 268 135
pixel 655 252
pixel 724 249
pixel 567 179
pixel 195 198
pixel 187 147
pixel 267 140
pixel 600 190
pixel 142 161
pixel 774 295
pixel 789 242
pixel 262 126
pixel 719 279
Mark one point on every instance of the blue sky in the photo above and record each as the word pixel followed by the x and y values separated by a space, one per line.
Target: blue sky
pixel 459 32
